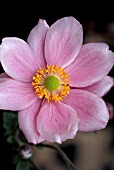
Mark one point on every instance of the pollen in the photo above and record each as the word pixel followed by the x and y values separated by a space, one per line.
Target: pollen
pixel 51 83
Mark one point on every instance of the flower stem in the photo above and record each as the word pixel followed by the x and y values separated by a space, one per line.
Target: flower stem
pixel 17 139
pixel 61 153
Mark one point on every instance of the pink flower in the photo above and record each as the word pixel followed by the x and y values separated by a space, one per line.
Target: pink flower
pixel 55 82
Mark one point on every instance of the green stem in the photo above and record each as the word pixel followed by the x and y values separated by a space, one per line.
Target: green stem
pixel 16 136
pixel 61 153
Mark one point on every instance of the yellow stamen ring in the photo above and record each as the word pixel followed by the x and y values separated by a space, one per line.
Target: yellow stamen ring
pixel 52 83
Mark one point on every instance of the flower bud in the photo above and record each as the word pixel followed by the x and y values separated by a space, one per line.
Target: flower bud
pixel 26 151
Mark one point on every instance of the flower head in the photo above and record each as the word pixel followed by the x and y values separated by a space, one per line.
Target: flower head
pixel 55 82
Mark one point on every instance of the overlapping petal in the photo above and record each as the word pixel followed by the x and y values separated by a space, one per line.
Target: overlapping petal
pixel 92 64
pixel 101 87
pixel 36 40
pixel 17 59
pixel 91 110
pixel 57 122
pixel 28 122
pixel 63 41
pixel 15 95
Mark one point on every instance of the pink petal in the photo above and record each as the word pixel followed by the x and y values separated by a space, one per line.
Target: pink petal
pixel 92 64
pixel 4 75
pixel 36 41
pixel 91 110
pixel 15 95
pixel 101 87
pixel 110 109
pixel 57 122
pixel 17 59
pixel 63 41
pixel 28 122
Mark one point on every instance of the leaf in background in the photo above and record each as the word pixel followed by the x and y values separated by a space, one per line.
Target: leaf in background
pixel 16 159
pixel 10 139
pixel 23 165
pixel 10 124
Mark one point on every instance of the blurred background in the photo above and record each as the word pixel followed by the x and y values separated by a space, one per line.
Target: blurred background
pixel 88 151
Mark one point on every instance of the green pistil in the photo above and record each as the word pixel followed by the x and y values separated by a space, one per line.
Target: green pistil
pixel 51 83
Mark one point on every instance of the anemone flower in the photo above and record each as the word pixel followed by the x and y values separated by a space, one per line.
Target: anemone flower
pixel 54 82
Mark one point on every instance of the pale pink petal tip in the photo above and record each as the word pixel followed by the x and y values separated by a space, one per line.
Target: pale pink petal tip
pixel 36 40
pixel 102 87
pixel 63 41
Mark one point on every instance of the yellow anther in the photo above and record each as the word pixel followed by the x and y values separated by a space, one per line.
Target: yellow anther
pixel 44 91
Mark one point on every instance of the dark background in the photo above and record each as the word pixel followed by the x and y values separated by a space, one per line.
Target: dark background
pixel 17 19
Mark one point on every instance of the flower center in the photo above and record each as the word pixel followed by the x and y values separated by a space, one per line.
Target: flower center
pixel 52 83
